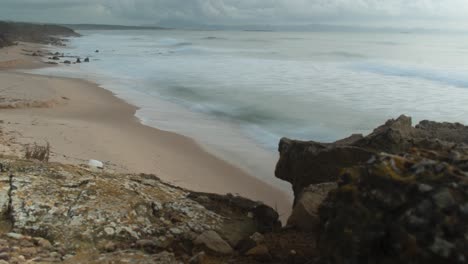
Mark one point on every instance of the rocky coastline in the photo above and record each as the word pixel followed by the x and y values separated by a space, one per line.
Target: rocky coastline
pixel 398 195
pixel 13 32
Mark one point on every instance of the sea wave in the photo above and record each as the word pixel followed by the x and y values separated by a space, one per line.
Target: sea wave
pixel 172 42
pixel 451 78
pixel 214 38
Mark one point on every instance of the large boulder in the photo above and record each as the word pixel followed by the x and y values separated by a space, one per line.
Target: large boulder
pixel 398 195
pixel 398 209
pixel 303 163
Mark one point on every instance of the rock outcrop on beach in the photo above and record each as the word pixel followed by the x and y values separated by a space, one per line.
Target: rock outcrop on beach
pixel 11 32
pixel 54 212
pixel 398 195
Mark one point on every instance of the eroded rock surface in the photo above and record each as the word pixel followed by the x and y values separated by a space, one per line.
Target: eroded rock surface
pixel 398 209
pixel 303 163
pixel 398 195
pixel 85 215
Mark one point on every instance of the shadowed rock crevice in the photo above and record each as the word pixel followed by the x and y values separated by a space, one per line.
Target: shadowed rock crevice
pixel 9 212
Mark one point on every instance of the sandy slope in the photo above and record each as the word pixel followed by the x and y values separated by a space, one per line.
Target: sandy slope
pixel 82 121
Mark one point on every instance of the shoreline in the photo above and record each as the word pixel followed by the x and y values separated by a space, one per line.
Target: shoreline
pixel 85 121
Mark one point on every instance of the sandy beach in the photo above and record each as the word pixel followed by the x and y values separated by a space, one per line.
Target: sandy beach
pixel 82 121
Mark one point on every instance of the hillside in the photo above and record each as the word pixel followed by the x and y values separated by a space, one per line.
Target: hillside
pixel 11 32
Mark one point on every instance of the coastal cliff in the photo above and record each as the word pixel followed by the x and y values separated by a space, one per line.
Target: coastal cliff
pixel 398 195
pixel 11 32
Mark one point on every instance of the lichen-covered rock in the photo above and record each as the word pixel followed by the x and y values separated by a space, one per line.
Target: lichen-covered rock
pixel 73 210
pixel 303 163
pixel 398 209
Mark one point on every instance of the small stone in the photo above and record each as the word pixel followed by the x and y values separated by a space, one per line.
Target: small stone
pixel 444 199
pixel 163 242
pixel 145 243
pixel 54 255
pixel 43 242
pixel 15 236
pixel 258 238
pixel 424 188
pixel 4 256
pixel 464 209
pixel 29 251
pixel 416 222
pixel 26 243
pixel 69 256
pixel 198 258
pixel 260 252
pixel 109 231
pixel 176 231
pixel 442 247
pixel 110 246
pixel 156 207
pixel 212 241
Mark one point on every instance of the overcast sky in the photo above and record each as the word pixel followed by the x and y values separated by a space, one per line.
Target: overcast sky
pixel 420 13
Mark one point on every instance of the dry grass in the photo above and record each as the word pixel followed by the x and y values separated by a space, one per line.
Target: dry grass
pixel 38 152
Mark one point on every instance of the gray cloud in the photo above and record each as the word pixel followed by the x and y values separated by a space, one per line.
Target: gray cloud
pixel 236 11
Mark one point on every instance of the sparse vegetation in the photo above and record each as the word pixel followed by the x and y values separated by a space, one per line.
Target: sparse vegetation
pixel 38 152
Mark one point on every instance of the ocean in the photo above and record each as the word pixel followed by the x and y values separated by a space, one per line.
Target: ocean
pixel 237 93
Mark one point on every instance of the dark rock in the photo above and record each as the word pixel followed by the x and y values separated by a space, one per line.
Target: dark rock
pixel 55 58
pixel 67 62
pixel 266 218
pixel 86 60
pixel 401 196
pixel 145 243
pixel 260 253
pixel 379 214
pixel 78 60
pixel 97 51
pixel 245 245
pixel 305 163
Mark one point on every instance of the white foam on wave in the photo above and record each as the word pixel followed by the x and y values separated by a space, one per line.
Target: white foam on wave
pixel 452 77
